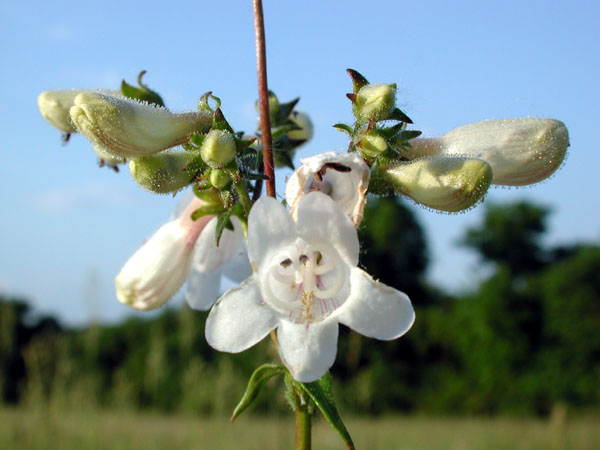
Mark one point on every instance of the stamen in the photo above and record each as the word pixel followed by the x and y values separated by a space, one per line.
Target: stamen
pixel 286 262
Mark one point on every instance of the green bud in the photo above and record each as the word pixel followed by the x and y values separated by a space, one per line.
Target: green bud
pixel 218 148
pixel 129 128
pixel 375 102
pixel 219 178
pixel 444 183
pixel 164 172
pixel 302 120
pixel 54 107
pixel 373 145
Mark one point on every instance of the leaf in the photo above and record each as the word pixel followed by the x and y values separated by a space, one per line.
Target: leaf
pixel 220 123
pixel 345 128
pixel 222 223
pixel 207 210
pixel 320 392
pixel 255 383
pixel 399 115
pixel 358 81
pixel 285 109
pixel 256 176
pixel 143 93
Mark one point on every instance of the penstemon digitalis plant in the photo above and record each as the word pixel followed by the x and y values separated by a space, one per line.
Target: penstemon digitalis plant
pixel 296 265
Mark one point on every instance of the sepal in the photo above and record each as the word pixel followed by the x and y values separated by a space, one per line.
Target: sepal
pixel 142 93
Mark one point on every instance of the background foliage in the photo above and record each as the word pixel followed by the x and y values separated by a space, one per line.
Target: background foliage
pixel 524 341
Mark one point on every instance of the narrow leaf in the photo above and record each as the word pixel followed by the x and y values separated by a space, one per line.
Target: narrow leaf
pixel 222 223
pixel 255 383
pixel 321 394
pixel 343 127
pixel 207 210
pixel 399 115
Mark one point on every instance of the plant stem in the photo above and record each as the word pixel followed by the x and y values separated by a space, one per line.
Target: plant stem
pixel 303 428
pixel 263 96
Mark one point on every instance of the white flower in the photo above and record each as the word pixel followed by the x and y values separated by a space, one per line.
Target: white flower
pixel 130 128
pixel 520 151
pixel 180 249
pixel 345 178
pixel 305 282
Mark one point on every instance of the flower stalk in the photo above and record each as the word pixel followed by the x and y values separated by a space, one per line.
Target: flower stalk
pixel 303 427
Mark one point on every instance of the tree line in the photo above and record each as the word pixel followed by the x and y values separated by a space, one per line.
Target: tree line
pixel 523 341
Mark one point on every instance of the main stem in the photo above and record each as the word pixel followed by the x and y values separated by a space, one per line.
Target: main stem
pixel 263 96
pixel 303 428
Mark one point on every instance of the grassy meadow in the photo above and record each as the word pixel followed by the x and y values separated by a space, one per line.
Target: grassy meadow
pixel 38 429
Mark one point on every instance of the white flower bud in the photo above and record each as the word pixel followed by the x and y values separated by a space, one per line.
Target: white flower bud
pixel 158 269
pixel 373 145
pixel 164 172
pixel 305 132
pixel 520 151
pixel 130 128
pixel 106 158
pixel 54 107
pixel 375 101
pixel 218 148
pixel 445 183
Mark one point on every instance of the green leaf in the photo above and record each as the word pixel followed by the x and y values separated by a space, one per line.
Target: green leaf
pixel 143 93
pixel 321 394
pixel 255 383
pixel 256 176
pixel 207 210
pixel 407 135
pixel 285 109
pixel 282 158
pixel 220 123
pixel 222 223
pixel 399 115
pixel 345 128
pixel 358 81
pixel 203 104
pixel 242 144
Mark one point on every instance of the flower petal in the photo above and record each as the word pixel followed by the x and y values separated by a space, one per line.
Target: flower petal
pixel 202 289
pixel 207 255
pixel 239 319
pixel 375 309
pixel 270 227
pixel 238 269
pixel 308 351
pixel 320 219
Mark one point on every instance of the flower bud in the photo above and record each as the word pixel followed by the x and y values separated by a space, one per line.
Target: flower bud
pixel 445 183
pixel 373 145
pixel 54 107
pixel 129 128
pixel 107 159
pixel 305 132
pixel 218 148
pixel 375 102
pixel 158 269
pixel 164 172
pixel 219 178
pixel 520 151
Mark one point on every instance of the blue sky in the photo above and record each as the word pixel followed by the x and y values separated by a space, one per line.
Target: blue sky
pixel 67 227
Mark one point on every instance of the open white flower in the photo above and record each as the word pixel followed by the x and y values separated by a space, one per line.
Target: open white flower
pixel 345 178
pixel 305 282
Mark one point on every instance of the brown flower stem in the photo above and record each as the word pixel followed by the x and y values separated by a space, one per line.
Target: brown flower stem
pixel 263 96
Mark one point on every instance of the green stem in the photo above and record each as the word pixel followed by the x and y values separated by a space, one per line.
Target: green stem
pixel 303 428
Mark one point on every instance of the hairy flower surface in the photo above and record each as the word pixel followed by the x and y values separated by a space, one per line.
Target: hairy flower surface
pixel 130 128
pixel 305 283
pixel 345 178
pixel 520 151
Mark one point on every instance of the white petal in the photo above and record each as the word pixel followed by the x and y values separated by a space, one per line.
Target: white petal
pixel 321 220
pixel 207 255
pixel 270 227
pixel 238 269
pixel 308 351
pixel 375 309
pixel 239 319
pixel 202 289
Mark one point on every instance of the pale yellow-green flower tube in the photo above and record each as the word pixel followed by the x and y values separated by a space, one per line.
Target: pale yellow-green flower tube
pixel 520 151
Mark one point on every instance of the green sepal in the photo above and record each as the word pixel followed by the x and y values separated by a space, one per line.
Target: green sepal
pixel 220 123
pixel 407 135
pixel 256 176
pixel 143 93
pixel 203 104
pixel 209 195
pixel 397 114
pixel 207 210
pixel 284 111
pixel 197 139
pixel 255 383
pixel 358 81
pixel 223 221
pixel 242 144
pixel 282 158
pixel 320 392
pixel 344 128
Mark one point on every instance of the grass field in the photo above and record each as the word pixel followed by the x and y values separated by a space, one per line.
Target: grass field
pixel 24 429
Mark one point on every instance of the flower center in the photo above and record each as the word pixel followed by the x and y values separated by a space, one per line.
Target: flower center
pixel 305 282
pixel 335 182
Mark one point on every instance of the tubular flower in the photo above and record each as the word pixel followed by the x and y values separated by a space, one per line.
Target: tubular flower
pixel 54 107
pixel 305 282
pixel 345 178
pixel 159 267
pixel 520 151
pixel 130 128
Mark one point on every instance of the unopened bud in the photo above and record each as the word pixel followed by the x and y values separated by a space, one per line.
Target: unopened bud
pixel 219 178
pixel 305 132
pixel 54 107
pixel 218 148
pixel 445 183
pixel 127 127
pixel 520 151
pixel 373 145
pixel 164 172
pixel 107 159
pixel 375 102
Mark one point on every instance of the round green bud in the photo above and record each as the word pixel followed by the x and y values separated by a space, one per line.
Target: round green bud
pixel 219 178
pixel 375 102
pixel 218 148
pixel 164 172
pixel 373 145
